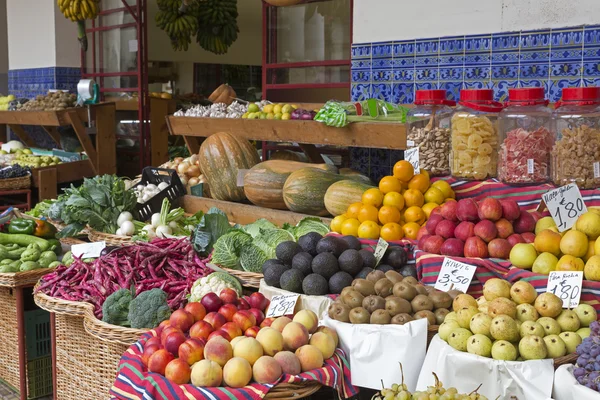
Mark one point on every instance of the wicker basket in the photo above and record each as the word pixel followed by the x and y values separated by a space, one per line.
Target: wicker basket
pixel 111 333
pixel 250 279
pixel 26 278
pixel 71 241
pixel 109 239
pixel 293 390
pixel 568 359
pixel 23 182
pixel 60 306
pixel 9 350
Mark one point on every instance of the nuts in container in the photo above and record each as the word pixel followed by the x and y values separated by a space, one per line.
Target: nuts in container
pixel 577 157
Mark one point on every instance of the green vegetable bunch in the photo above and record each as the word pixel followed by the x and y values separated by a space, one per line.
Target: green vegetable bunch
pixel 147 310
pixel 97 203
pixel 115 309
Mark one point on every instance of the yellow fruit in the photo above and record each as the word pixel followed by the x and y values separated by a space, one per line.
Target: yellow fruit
pixel 548 241
pixel 268 108
pixel 544 264
pixel 372 197
pixel 414 214
pixel 433 195
pixel 419 182
pixel 336 223
pixel 597 247
pixel 413 197
pixel 403 170
pixel 411 230
pixel 444 187
pixel 394 199
pixel 277 109
pixel 368 213
pixel 287 109
pixel 350 227
pixel 286 116
pixel 589 223
pixel 389 184
pixel 574 243
pixel 428 208
pixel 368 230
pixel 544 223
pixel 391 231
pixel 569 263
pixel 388 214
pixel 594 209
pixel 591 270
pixel 353 210
pixel 591 250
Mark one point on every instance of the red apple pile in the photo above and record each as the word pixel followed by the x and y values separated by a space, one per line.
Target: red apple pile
pixel 466 228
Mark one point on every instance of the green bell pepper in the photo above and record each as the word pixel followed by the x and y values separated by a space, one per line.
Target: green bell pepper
pixel 29 266
pixel 32 253
pixel 22 225
pixel 46 258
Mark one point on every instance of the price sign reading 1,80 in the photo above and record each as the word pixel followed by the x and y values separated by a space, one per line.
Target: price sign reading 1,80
pixel 565 205
pixel 282 305
pixel 567 286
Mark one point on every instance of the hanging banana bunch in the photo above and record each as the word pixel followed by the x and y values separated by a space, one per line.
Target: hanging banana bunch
pixel 78 11
pixel 179 20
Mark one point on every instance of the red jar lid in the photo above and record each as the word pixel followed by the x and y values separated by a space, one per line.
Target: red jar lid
pixel 526 96
pixel 480 100
pixel 581 94
pixel 432 96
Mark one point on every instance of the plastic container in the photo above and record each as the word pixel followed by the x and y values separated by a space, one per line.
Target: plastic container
pixel 474 135
pixel 526 138
pixel 428 128
pixel 155 176
pixel 576 153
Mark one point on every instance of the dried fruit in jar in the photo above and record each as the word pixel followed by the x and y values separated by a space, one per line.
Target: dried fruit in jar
pixel 434 146
pixel 525 156
pixel 576 157
pixel 474 147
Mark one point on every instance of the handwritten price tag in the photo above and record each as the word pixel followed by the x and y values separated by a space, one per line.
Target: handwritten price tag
pixel 283 304
pixel 565 205
pixel 240 177
pixel 412 156
pixel 567 286
pixel 88 250
pixel 455 275
pixel 382 246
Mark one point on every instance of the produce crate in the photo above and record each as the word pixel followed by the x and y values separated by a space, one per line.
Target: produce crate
pixel 39 377
pixel 156 176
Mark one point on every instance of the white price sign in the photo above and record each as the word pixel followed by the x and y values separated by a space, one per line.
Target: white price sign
pixel 412 156
pixel 88 250
pixel 382 246
pixel 567 286
pixel 282 304
pixel 565 205
pixel 455 275
pixel 241 176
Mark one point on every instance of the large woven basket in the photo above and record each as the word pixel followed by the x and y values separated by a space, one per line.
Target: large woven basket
pixel 60 306
pixel 249 279
pixel 289 391
pixel 23 182
pixel 111 333
pixel 26 278
pixel 109 239
pixel 9 350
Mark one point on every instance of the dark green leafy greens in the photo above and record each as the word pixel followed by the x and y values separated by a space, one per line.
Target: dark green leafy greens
pixel 212 226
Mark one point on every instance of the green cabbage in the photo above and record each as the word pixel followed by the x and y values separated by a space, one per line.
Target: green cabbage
pixel 268 240
pixel 254 228
pixel 252 258
pixel 309 224
pixel 227 249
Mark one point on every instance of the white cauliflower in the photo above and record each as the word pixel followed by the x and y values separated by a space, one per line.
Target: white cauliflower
pixel 214 283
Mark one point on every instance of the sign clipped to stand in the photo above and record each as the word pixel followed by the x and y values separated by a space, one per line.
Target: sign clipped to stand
pixel 455 275
pixel 565 205
pixel 282 305
pixel 412 156
pixel 567 286
pixel 382 246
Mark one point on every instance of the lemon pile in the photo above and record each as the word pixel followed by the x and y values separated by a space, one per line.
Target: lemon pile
pixel 397 209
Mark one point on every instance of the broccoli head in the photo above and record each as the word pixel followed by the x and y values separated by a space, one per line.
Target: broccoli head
pixel 115 308
pixel 149 309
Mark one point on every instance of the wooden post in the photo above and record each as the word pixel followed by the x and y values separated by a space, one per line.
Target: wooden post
pixel 53 132
pixel 3 133
pixel 48 183
pixel 84 139
pixel 159 132
pixel 21 134
pixel 106 142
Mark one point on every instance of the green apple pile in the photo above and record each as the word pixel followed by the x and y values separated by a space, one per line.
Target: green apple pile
pixel 25 158
pixel 512 322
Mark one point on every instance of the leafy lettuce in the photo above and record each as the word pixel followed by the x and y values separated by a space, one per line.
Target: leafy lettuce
pixel 306 225
pixel 254 228
pixel 228 248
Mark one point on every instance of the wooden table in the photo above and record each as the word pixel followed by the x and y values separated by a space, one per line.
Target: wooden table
pixel 101 157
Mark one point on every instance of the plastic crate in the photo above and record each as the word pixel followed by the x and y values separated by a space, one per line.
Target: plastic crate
pixel 39 377
pixel 155 176
pixel 37 333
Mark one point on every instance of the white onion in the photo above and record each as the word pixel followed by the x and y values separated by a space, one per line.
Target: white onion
pixel 151 187
pixel 183 167
pixel 124 216
pixel 193 181
pixel 184 180
pixel 193 171
pixel 127 228
pixel 194 159
pixel 163 185
pixel 163 230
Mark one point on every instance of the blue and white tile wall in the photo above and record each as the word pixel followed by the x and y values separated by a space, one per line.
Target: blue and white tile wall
pixel 30 83
pixel 392 71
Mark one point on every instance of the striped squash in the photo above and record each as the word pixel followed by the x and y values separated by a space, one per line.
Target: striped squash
pixel 343 193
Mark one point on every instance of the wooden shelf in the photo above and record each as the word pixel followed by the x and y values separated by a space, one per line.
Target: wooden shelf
pixel 381 135
pixel 41 118
pixel 243 213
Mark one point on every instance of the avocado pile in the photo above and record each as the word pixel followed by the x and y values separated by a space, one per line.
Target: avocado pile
pixel 318 265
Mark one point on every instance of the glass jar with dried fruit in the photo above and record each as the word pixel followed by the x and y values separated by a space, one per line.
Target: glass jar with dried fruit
pixel 474 135
pixel 525 137
pixel 428 128
pixel 576 153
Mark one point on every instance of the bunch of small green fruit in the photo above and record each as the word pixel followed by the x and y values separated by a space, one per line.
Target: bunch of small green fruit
pixel 512 322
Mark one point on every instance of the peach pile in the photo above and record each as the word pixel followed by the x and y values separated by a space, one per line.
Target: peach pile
pixel 466 228
pixel 230 347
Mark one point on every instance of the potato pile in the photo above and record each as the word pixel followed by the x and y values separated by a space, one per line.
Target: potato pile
pixel 53 101
pixel 390 298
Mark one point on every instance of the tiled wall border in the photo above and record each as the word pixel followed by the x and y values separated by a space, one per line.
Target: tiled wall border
pixel 550 58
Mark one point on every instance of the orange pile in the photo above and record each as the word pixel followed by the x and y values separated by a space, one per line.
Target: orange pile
pixel 395 210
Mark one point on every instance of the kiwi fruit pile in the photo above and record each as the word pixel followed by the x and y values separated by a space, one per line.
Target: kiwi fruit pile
pixel 390 298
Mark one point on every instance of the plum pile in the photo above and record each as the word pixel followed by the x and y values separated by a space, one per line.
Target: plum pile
pixel 588 363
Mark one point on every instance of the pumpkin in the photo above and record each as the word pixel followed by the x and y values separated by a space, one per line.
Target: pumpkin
pixel 289 155
pixel 355 175
pixel 223 94
pixel 263 184
pixel 221 156
pixel 343 193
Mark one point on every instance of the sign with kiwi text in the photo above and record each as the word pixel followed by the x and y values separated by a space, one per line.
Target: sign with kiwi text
pixel 412 156
pixel 455 275
pixel 282 304
pixel 567 286
pixel 382 246
pixel 565 205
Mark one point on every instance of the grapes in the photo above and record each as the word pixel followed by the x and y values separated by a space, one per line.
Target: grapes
pixel 587 370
